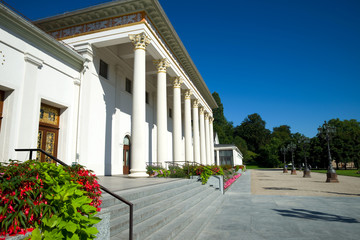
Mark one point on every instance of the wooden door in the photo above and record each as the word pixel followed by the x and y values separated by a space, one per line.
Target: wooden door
pixel 48 132
pixel 126 159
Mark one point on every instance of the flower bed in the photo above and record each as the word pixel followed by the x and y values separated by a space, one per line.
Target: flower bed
pixel 231 180
pixel 59 202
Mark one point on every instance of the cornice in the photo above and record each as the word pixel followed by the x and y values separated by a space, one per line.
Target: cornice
pixel 26 30
pixel 155 14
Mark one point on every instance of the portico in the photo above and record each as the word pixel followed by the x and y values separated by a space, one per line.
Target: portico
pixel 139 84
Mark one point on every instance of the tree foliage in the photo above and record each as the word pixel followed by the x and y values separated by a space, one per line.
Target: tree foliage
pixel 261 146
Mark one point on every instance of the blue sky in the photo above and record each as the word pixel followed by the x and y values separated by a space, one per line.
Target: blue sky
pixel 294 62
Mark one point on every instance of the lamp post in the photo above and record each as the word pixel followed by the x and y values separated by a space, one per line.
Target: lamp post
pixel 326 130
pixel 304 141
pixel 292 147
pixel 284 150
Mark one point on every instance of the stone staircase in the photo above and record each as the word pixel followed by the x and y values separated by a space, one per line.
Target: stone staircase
pixel 173 210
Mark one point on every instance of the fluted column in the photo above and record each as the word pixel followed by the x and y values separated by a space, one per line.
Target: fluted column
pixel 188 137
pixel 207 139
pixel 161 114
pixel 177 136
pixel 211 119
pixel 196 131
pixel 138 166
pixel 202 137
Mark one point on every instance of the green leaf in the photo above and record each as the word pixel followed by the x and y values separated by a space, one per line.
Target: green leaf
pixel 71 227
pixel 36 234
pixel 92 230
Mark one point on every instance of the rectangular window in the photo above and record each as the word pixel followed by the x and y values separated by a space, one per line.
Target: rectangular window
pixel 128 85
pixel 147 97
pixel 2 94
pixel 170 113
pixel 226 157
pixel 103 69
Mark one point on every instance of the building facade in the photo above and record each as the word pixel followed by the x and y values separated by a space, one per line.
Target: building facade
pixel 227 154
pixel 110 87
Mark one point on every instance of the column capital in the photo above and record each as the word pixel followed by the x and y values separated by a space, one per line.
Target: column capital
pixel 202 110
pixel 196 103
pixel 206 116
pixel 211 119
pixel 161 65
pixel 188 93
pixel 140 40
pixel 177 81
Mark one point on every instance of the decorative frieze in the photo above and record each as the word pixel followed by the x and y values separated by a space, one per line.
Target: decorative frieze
pixel 188 94
pixel 140 40
pixel 177 81
pixel 161 64
pixel 98 25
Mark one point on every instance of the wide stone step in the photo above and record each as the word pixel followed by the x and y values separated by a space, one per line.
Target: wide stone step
pixel 136 193
pixel 199 222
pixel 170 211
pixel 122 222
pixel 185 220
pixel 121 208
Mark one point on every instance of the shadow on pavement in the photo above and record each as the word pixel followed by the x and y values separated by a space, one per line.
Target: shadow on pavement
pixel 279 188
pixel 348 194
pixel 314 215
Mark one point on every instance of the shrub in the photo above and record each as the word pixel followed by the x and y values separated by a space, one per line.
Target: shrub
pixel 226 166
pixel 151 169
pixel 206 171
pixel 34 191
pixel 177 172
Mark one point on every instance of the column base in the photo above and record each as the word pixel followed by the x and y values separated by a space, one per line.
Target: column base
pixel 285 170
pixel 332 177
pixel 135 173
pixel 307 174
pixel 293 172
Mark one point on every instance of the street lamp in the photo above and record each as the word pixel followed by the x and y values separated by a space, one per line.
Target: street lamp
pixel 292 147
pixel 284 150
pixel 326 130
pixel 304 142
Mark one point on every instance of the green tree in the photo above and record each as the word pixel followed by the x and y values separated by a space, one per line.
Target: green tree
pixel 253 131
pixel 345 144
pixel 222 127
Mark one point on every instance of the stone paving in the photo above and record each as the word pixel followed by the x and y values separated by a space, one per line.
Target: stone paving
pixel 244 215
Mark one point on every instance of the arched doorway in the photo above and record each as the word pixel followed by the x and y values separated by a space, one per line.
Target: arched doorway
pixel 126 155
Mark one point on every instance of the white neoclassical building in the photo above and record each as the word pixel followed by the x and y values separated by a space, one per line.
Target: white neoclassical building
pixel 111 87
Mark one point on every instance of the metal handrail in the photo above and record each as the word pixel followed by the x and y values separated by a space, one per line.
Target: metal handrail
pixel 31 150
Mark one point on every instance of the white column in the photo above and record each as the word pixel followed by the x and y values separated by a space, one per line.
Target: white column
pixel 138 166
pixel 211 119
pixel 218 157
pixel 202 137
pixel 196 131
pixel 188 137
pixel 161 114
pixel 207 139
pixel 177 136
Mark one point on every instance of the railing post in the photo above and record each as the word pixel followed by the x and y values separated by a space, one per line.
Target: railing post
pixel 31 154
pixel 131 222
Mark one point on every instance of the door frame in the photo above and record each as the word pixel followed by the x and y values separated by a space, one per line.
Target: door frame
pixel 126 149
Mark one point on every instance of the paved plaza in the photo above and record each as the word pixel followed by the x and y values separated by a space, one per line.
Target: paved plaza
pixel 267 204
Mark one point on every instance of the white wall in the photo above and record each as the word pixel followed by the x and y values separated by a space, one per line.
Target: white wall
pixel 31 76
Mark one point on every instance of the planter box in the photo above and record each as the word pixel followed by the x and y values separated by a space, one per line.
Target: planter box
pixel 216 182
pixel 104 225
